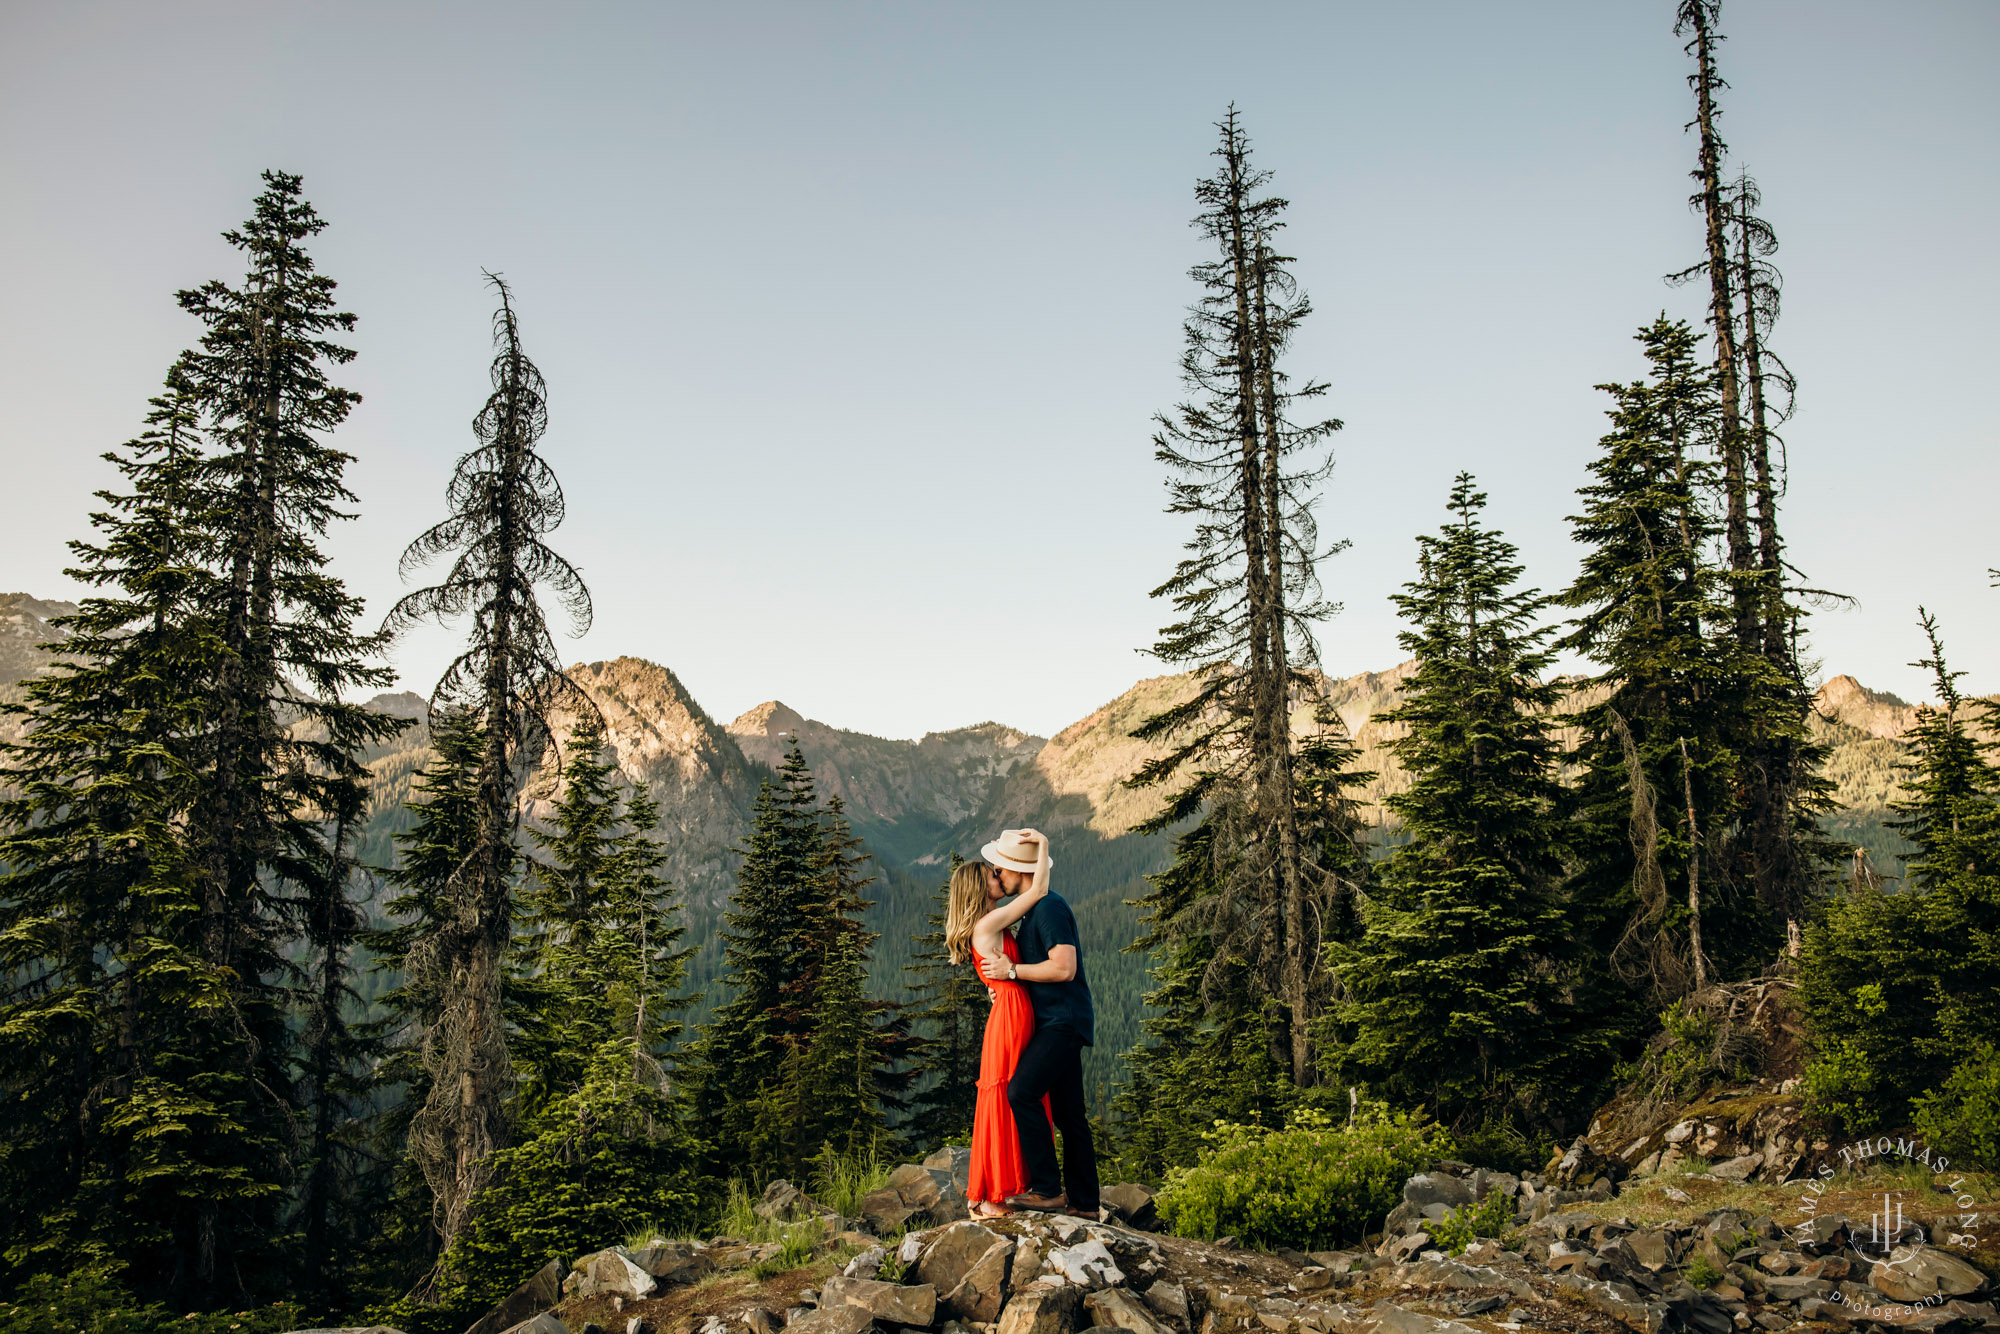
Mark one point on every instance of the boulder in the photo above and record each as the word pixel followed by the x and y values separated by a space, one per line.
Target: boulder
pixel 673 1263
pixel 1429 1188
pixel 1581 1166
pixel 545 1323
pixel 866 1265
pixel 1041 1309
pixel 763 1320
pixel 1386 1318
pixel 1170 1302
pixel 842 1319
pixel 1651 1247
pixel 784 1203
pixel 1621 1301
pixel 967 1263
pixel 955 1162
pixel 542 1290
pixel 1131 1204
pixel 1403 1248
pixel 1088 1264
pixel 887 1211
pixel 1119 1309
pixel 919 1187
pixel 1740 1168
pixel 893 1303
pixel 612 1272
pixel 1927 1274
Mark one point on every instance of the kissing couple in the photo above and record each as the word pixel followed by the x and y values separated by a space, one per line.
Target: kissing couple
pixel 1031 1064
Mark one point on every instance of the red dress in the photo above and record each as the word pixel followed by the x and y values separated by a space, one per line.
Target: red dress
pixel 997 1170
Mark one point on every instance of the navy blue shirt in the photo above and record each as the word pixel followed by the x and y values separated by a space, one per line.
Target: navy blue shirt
pixel 1056 1004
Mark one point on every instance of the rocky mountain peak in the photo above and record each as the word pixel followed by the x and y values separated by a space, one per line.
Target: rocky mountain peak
pixel 1875 713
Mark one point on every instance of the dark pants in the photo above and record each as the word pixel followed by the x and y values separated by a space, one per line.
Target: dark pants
pixel 1052 1064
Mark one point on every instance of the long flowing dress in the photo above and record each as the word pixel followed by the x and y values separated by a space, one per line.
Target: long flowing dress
pixel 997 1170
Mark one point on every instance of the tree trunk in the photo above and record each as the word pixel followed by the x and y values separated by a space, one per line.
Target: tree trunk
pixel 1722 319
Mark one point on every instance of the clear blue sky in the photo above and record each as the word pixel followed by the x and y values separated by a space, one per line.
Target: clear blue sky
pixel 855 315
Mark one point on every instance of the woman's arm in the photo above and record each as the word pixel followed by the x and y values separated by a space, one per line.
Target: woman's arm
pixel 988 928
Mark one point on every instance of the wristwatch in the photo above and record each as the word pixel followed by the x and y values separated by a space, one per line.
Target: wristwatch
pixel 1010 970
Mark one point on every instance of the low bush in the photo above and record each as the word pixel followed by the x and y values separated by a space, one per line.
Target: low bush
pixel 91 1301
pixel 1490 1217
pixel 1961 1117
pixel 1314 1184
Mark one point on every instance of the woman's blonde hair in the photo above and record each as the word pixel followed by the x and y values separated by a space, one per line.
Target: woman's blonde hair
pixel 965 904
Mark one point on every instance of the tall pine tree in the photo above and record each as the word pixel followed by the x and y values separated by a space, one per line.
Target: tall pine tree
pixel 1246 594
pixel 504 499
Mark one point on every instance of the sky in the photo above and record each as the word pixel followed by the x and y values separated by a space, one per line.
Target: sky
pixel 855 316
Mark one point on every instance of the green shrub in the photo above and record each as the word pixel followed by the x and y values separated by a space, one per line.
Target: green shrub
pixel 91 1301
pixel 1503 1146
pixel 1961 1117
pixel 1310 1185
pixel 1701 1271
pixel 1490 1217
pixel 797 1243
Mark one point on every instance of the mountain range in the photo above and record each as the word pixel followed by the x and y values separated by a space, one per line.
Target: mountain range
pixel 915 802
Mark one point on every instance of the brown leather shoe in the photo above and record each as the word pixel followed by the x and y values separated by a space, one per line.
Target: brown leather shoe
pixel 1094 1215
pixel 1048 1204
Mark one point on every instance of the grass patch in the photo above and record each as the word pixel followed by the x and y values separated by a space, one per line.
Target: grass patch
pixel 797 1244
pixel 842 1181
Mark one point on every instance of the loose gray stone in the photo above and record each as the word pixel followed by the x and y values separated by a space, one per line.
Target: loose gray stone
pixel 1929 1273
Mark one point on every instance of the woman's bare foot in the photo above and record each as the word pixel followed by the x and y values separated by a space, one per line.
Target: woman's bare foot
pixel 988 1209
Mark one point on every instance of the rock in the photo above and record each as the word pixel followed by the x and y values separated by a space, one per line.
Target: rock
pixel 1404 1247
pixel 893 1303
pixel 956 1163
pixel 1119 1309
pixel 1822 1311
pixel 1040 1310
pixel 1702 1312
pixel 867 1265
pixel 833 1320
pixel 912 1246
pixel 784 1203
pixel 1340 1262
pixel 1777 1262
pixel 671 1262
pixel 1088 1265
pixel 1170 1302
pixel 887 1211
pixel 1131 1204
pixel 1651 1247
pixel 1428 1188
pixel 1582 1166
pixel 1388 1318
pixel 638 1324
pixel 1739 1169
pixel 1621 1301
pixel 1929 1273
pixel 1823 1234
pixel 1796 1287
pixel 545 1323
pixel 763 1320
pixel 967 1264
pixel 920 1187
pixel 613 1273
pixel 542 1290
pixel 1446 1273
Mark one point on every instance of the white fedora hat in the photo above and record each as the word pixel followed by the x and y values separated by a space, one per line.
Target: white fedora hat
pixel 1010 852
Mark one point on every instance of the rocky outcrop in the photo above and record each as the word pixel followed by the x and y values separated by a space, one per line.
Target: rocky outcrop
pixel 1571 1264
pixel 26 635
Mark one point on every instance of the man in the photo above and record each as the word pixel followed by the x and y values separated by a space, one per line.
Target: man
pixel 1051 966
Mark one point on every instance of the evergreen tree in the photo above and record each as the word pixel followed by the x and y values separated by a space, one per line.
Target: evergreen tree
pixel 505 500
pixel 1247 593
pixel 1661 745
pixel 278 753
pixel 948 1007
pixel 841 1066
pixel 599 935
pixel 738 1057
pixel 1455 995
pixel 100 904
pixel 1899 990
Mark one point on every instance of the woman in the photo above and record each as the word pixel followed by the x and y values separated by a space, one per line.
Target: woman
pixel 975 929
